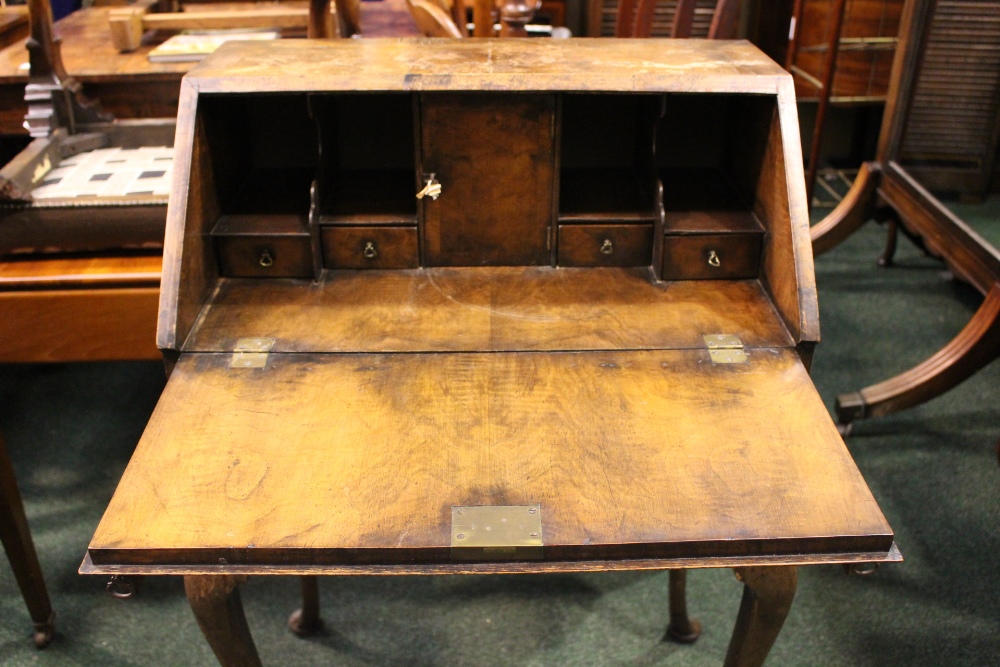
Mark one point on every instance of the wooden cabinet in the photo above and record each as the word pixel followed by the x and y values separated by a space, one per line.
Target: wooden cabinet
pixel 569 277
pixel 312 181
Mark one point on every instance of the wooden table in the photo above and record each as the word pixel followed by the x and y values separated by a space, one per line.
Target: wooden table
pixel 540 343
pixel 127 84
pixel 101 306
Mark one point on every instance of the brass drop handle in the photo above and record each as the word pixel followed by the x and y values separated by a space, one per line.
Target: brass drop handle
pixel 713 259
pixel 370 252
pixel 607 247
pixel 266 259
pixel 432 188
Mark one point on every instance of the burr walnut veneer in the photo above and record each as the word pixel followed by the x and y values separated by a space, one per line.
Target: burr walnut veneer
pixel 405 280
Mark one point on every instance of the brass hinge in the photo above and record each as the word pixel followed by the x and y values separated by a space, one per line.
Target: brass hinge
pixel 251 352
pixel 725 349
pixel 496 532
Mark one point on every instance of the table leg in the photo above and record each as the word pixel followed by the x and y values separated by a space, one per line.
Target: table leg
pixel 682 628
pixel 767 597
pixel 305 621
pixel 215 601
pixel 891 238
pixel 975 346
pixel 16 538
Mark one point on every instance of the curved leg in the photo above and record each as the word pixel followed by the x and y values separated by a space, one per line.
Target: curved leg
pixel 16 538
pixel 853 211
pixel 682 628
pixel 767 597
pixel 975 346
pixel 305 621
pixel 215 601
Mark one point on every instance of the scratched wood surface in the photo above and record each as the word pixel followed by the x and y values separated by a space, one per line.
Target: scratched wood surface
pixel 627 65
pixel 485 309
pixel 494 65
pixel 631 454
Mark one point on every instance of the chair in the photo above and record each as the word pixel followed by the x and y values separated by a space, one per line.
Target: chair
pixel 635 18
pixel 447 18
pixel 432 19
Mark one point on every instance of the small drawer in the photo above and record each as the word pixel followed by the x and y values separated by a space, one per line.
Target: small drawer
pixel 264 256
pixel 708 256
pixel 605 245
pixel 370 248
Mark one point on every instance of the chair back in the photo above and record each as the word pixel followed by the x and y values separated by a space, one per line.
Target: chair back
pixel 635 19
pixel 432 20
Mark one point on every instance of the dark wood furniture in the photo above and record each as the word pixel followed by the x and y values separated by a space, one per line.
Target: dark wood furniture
pixel 319 19
pixel 712 19
pixel 840 55
pixel 439 18
pixel 582 346
pixel 16 538
pixel 57 306
pixel 13 25
pixel 79 281
pixel 128 85
pixel 99 301
pixel 77 276
pixel 897 187
pixel 950 98
pixel 856 50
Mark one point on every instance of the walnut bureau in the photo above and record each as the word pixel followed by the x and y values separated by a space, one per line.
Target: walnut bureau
pixel 488 306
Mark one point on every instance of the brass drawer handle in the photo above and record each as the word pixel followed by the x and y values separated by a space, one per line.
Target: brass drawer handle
pixel 713 259
pixel 432 189
pixel 370 252
pixel 607 247
pixel 266 259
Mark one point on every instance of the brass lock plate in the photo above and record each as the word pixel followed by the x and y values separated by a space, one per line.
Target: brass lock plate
pixel 496 532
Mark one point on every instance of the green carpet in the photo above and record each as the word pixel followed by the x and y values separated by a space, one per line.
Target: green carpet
pixel 70 430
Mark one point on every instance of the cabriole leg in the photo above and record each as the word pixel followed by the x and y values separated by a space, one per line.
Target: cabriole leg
pixel 891 237
pixel 215 601
pixel 682 628
pixel 767 597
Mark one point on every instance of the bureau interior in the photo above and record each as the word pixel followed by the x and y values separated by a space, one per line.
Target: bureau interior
pixel 667 181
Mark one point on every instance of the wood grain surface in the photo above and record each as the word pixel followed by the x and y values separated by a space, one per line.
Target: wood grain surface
pixel 76 272
pixel 499 66
pixel 626 65
pixel 631 454
pixel 485 309
pixel 496 151
pixel 92 324
pixel 128 85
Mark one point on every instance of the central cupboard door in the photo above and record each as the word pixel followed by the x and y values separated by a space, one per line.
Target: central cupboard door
pixel 494 156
